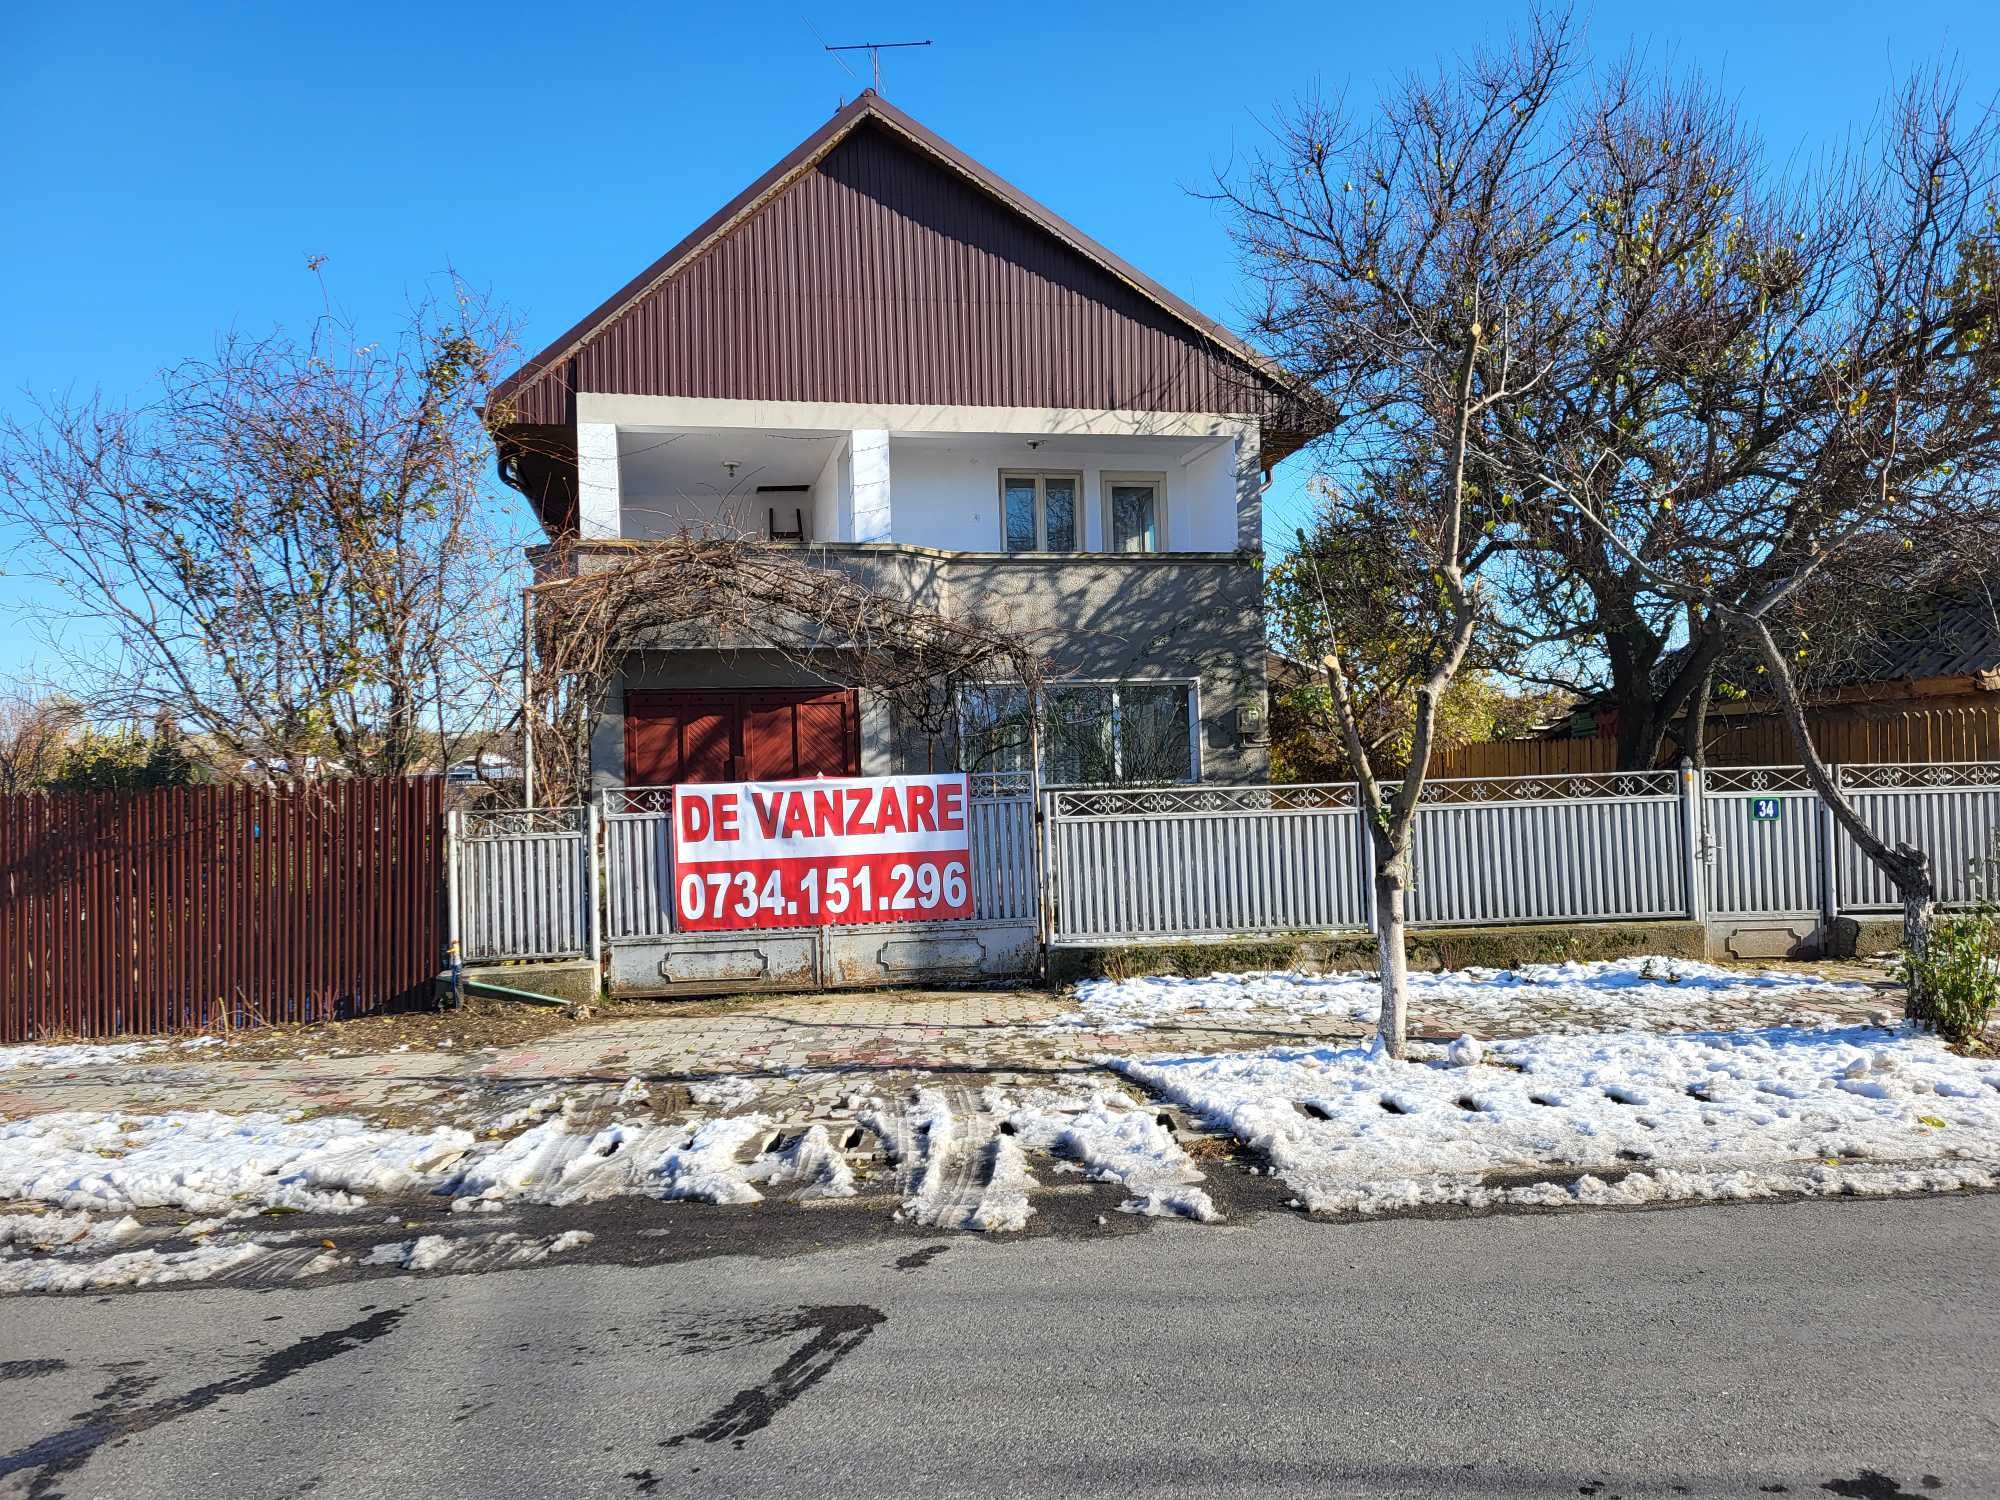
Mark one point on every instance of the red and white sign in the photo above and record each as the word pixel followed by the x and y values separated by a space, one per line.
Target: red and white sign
pixel 752 854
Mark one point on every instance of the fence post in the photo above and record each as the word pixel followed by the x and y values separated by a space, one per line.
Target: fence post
pixel 1829 859
pixel 453 834
pixel 593 895
pixel 1695 819
pixel 1366 841
pixel 1045 807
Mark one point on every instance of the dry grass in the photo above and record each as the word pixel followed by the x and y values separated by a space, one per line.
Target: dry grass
pixel 483 1022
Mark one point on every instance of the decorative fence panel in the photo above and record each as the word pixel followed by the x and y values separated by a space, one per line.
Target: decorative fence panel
pixel 191 908
pixel 1952 812
pixel 638 862
pixel 523 883
pixel 1766 834
pixel 1552 849
pixel 1161 863
pixel 1206 861
pixel 1006 885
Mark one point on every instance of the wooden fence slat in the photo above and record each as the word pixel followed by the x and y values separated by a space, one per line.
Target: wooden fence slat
pixel 1864 734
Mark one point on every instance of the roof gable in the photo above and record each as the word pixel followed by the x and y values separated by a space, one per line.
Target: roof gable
pixel 877 264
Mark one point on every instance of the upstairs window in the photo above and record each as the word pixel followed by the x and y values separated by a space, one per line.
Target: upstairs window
pixel 1040 511
pixel 1135 507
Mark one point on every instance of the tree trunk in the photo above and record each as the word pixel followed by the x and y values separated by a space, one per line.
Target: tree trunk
pixel 1919 901
pixel 1908 867
pixel 1697 722
pixel 1391 885
pixel 1918 889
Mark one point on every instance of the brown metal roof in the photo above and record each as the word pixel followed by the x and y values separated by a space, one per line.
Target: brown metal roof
pixel 877 263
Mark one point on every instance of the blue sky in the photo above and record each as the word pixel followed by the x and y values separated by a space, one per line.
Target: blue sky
pixel 170 168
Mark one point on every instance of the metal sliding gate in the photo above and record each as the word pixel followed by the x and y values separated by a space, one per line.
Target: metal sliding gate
pixel 648 956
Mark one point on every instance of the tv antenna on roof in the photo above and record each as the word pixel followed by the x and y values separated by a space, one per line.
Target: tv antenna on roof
pixel 874 51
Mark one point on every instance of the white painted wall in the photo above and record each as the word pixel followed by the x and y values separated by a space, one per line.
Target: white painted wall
pixel 868 451
pixel 949 497
pixel 832 502
pixel 656 515
pixel 1210 524
pixel 597 491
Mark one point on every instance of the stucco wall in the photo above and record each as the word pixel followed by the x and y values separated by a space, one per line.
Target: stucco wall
pixel 1100 618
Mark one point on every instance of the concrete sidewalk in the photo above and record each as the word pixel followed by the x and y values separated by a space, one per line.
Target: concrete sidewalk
pixel 796 1050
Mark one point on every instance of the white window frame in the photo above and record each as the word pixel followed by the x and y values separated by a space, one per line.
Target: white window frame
pixel 1041 478
pixel 1155 478
pixel 1039 740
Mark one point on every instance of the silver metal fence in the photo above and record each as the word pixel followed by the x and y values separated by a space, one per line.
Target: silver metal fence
pixel 638 862
pixel 1551 849
pixel 523 883
pixel 1165 862
pixel 1006 885
pixel 1133 864
pixel 1951 812
pixel 1205 861
pixel 1766 842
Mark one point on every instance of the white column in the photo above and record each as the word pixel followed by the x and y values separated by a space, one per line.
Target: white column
pixel 1249 493
pixel 870 448
pixel 597 497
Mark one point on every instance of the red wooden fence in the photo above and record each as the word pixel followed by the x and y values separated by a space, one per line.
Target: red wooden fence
pixel 124 913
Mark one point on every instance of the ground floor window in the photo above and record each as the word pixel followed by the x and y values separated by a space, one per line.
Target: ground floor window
pixel 1091 733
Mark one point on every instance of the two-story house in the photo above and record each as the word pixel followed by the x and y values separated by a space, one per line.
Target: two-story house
pixel 882 352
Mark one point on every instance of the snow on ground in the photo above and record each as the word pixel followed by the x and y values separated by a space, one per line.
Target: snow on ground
pixel 1622 1117
pixel 1649 993
pixel 1003 1206
pixel 562 1162
pixel 71 1055
pixel 425 1253
pixel 723 1093
pixel 973 1172
pixel 923 1141
pixel 61 1231
pixel 133 1268
pixel 206 1162
pixel 92 1054
pixel 1117 1140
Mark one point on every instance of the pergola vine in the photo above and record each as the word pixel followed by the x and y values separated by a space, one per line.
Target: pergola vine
pixel 597 604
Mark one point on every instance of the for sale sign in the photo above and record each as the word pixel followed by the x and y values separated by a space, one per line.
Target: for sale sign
pixel 754 854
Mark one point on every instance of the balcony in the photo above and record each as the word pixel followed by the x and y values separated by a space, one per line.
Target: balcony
pixel 1193 488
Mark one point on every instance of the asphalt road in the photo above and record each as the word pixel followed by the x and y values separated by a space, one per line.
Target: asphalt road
pixel 1806 1348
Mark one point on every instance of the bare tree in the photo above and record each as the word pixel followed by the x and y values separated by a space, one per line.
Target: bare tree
pixel 1409 263
pixel 291 553
pixel 1885 398
pixel 35 736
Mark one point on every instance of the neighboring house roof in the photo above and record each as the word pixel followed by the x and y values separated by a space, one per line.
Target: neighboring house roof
pixel 1944 643
pixel 1955 638
pixel 876 263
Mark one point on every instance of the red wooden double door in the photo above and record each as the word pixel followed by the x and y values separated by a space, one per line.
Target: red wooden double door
pixel 758 736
